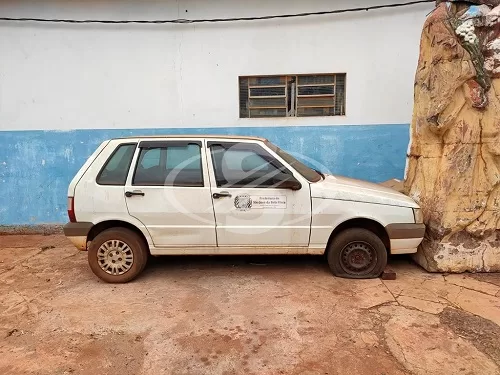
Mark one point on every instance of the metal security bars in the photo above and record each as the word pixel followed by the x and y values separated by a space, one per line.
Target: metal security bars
pixel 292 95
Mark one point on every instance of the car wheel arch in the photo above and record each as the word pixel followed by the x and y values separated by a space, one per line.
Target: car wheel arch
pixel 108 224
pixel 365 223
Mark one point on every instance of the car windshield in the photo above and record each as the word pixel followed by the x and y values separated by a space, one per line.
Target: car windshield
pixel 310 174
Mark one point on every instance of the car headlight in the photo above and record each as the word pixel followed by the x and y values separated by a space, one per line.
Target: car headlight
pixel 417 214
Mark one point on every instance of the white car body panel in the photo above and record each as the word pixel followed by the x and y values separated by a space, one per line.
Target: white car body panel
pixel 233 250
pixel 352 190
pixel 405 245
pixel 86 165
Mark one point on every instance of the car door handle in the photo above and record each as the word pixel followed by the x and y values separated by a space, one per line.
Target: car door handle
pixel 129 194
pixel 221 194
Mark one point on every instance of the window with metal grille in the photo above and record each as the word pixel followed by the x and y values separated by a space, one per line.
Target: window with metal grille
pixel 297 95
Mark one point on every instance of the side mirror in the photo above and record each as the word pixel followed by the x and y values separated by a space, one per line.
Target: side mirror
pixel 287 181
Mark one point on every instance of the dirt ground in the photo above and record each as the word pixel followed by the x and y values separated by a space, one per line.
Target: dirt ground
pixel 238 315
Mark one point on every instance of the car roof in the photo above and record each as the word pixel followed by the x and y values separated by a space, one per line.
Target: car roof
pixel 218 136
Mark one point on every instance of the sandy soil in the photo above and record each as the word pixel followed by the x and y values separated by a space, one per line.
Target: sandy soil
pixel 234 315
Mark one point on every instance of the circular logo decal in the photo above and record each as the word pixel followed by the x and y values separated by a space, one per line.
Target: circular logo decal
pixel 243 202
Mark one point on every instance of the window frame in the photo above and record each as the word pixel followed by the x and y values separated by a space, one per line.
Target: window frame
pixel 299 167
pixel 259 150
pixel 163 146
pixel 292 95
pixel 103 167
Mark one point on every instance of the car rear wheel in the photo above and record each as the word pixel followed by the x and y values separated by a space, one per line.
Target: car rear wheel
pixel 357 253
pixel 117 255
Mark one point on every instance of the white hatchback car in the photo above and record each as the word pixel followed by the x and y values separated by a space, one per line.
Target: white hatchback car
pixel 173 195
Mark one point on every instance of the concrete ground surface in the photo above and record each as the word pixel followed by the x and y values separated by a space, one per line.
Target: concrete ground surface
pixel 239 315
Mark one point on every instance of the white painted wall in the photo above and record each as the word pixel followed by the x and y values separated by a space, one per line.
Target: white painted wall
pixel 60 76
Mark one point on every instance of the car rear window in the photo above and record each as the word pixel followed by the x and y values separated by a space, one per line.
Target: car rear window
pixel 115 170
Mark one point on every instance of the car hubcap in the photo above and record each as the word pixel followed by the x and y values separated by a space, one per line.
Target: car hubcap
pixel 358 258
pixel 115 257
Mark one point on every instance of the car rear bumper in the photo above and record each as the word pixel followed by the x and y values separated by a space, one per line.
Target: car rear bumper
pixel 77 233
pixel 405 238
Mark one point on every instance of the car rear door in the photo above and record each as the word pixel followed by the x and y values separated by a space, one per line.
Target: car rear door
pixel 168 191
pixel 249 210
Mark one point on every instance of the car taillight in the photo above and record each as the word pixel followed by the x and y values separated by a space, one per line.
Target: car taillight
pixel 71 209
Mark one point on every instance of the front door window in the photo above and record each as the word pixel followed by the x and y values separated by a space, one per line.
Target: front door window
pixel 244 165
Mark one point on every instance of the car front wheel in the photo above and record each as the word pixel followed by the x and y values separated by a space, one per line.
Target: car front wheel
pixel 117 255
pixel 357 253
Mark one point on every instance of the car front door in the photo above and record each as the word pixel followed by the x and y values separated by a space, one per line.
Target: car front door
pixel 258 201
pixel 168 191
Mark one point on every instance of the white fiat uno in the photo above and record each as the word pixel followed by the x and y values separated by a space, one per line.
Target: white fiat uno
pixel 173 195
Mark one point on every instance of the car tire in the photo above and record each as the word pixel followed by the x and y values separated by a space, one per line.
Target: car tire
pixel 357 253
pixel 117 255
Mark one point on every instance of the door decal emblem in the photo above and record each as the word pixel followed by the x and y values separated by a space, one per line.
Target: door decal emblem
pixel 243 202
pixel 269 201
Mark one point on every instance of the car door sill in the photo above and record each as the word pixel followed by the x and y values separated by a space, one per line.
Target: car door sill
pixel 240 250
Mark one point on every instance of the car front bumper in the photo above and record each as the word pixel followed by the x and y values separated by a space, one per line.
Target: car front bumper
pixel 405 238
pixel 77 233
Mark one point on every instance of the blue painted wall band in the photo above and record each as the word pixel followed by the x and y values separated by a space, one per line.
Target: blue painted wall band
pixel 37 166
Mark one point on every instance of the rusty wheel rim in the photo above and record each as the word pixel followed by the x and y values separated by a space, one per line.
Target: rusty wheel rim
pixel 358 258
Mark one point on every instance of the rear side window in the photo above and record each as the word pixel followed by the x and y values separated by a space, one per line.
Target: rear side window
pixel 169 164
pixel 150 158
pixel 184 157
pixel 116 168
